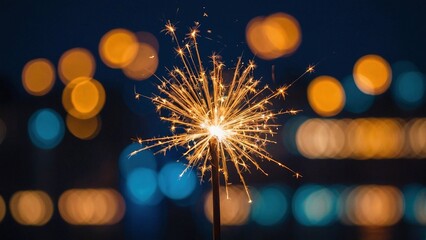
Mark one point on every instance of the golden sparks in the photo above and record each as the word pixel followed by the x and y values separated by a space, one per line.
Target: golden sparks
pixel 203 107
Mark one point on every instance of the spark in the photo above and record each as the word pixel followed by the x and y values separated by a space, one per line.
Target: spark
pixel 170 29
pixel 202 107
pixel 137 95
pixel 138 140
pixel 297 175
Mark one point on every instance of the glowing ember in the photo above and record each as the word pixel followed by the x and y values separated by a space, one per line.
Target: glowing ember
pixel 217 131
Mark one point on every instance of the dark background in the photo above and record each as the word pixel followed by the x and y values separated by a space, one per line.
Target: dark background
pixel 334 33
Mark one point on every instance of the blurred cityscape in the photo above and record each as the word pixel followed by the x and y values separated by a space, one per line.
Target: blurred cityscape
pixel 75 82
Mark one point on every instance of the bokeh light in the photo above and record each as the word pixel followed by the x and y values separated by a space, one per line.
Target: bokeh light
pixel 148 38
pixel 317 138
pixel 174 184
pixel 274 36
pixel 38 76
pixel 315 205
pixel 83 98
pixel 372 74
pixel 356 100
pixel 74 63
pixel 338 143
pixel 233 211
pixel 85 129
pixel 144 64
pixel 362 138
pixel 144 159
pixel 2 209
pixel 416 132
pixel 31 207
pixel 3 131
pixel 270 206
pixel 415 204
pixel 375 138
pixel 326 96
pixel 141 184
pixel 46 128
pixel 91 206
pixel 310 138
pixel 409 90
pixel 408 85
pixel 373 205
pixel 118 48
pixel 140 175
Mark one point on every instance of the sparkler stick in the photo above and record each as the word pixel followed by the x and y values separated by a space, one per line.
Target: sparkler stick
pixel 219 123
pixel 215 188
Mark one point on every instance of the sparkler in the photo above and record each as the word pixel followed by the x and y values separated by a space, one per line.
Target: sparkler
pixel 218 123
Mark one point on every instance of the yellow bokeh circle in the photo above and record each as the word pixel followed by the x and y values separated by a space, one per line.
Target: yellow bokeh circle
pixel 372 74
pixel 118 48
pixel 83 98
pixel 144 64
pixel 74 63
pixel 326 96
pixel 84 128
pixel 274 36
pixel 38 76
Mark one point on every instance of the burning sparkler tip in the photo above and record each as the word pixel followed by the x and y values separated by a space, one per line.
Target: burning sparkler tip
pixel 194 32
pixel 293 112
pixel 310 69
pixel 170 28
pixel 297 175
pixel 138 140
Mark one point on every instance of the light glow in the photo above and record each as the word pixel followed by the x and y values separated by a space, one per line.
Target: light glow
pixel 32 207
pixel 218 132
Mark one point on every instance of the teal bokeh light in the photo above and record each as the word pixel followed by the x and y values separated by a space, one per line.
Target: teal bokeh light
pixel 356 101
pixel 270 206
pixel 173 185
pixel 143 159
pixel 46 128
pixel 409 90
pixel 415 204
pixel 314 205
pixel 141 186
